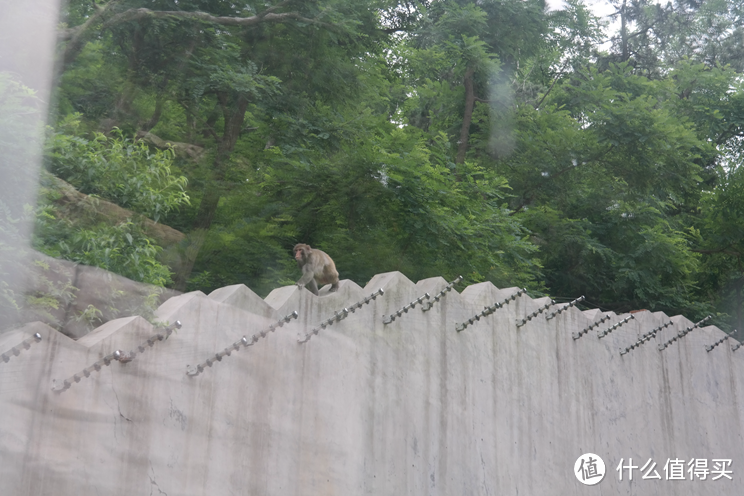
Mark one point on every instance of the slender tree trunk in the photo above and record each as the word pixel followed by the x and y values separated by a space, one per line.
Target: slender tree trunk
pixel 234 113
pixel 467 116
pixel 159 104
pixel 624 32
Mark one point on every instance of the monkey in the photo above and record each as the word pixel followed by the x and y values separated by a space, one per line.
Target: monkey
pixel 317 268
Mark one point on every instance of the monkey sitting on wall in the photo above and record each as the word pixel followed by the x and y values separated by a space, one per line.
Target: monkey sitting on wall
pixel 317 268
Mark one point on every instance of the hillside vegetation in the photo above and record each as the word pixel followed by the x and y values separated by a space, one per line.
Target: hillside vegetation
pixel 494 139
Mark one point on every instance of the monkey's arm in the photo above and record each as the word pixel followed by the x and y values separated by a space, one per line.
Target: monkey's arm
pixel 307 275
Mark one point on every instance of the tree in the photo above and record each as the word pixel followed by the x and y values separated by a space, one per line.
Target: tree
pixel 425 137
pixel 212 64
pixel 655 36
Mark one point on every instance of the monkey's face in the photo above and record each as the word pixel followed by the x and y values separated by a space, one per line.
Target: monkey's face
pixel 302 253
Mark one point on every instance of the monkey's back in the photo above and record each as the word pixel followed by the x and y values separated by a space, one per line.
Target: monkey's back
pixel 329 274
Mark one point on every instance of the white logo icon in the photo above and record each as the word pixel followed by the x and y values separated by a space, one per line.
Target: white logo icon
pixel 589 469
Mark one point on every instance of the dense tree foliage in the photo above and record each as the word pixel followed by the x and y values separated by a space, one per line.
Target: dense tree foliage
pixel 499 140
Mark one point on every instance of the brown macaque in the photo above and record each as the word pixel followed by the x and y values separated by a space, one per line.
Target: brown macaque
pixel 317 268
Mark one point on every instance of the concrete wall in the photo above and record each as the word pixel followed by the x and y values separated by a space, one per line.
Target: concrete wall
pixel 412 407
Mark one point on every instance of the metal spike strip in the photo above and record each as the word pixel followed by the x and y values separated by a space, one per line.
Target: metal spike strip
pixel 192 370
pixel 489 310
pixel 709 348
pixel 118 355
pixel 564 308
pixel 390 318
pixel 24 345
pixel 427 306
pixel 604 333
pixel 337 316
pixel 683 333
pixel 534 314
pixel 577 335
pixel 150 341
pixel 645 337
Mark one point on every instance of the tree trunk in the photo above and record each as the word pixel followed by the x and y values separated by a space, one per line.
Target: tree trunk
pixel 624 32
pixel 234 113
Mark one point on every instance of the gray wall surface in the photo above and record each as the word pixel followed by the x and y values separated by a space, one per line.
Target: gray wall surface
pixel 366 408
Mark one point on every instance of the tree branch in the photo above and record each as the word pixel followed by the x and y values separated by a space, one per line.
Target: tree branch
pixel 555 80
pixel 71 33
pixel 730 132
pixel 138 14
pixel 186 150
pixel 77 36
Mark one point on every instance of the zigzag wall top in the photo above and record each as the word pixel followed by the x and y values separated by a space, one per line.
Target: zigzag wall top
pixel 374 390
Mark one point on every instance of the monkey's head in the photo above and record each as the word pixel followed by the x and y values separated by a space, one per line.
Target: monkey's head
pixel 302 251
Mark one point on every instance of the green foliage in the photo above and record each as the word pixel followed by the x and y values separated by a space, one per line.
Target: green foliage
pixel 121 248
pixel 719 236
pixel 612 175
pixel 118 169
pixel 604 176
pixel 388 203
pixel 659 35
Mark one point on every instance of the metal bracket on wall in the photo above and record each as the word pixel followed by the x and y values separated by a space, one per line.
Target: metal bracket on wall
pixel 427 306
pixel 390 318
pixel 534 314
pixel 604 333
pixel 577 335
pixel 683 333
pixel 192 370
pixel 118 356
pixel 646 337
pixel 489 310
pixel 709 348
pixel 23 345
pixel 338 316
pixel 564 308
